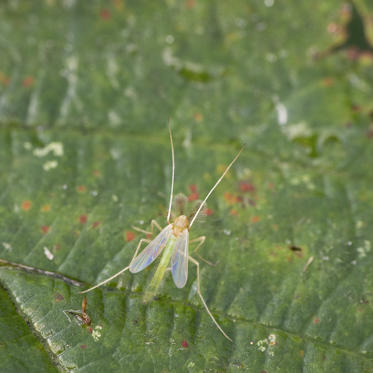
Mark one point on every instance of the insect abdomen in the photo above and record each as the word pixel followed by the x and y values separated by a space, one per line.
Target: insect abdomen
pixel 152 289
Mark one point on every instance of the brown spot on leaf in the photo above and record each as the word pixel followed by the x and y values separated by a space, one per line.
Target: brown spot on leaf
pixel 234 212
pixel 28 81
pixel 230 198
pixel 59 297
pixel 46 208
pixel 190 4
pixel 295 248
pixel 198 117
pixel 327 82
pixel 81 188
pixel 4 80
pixel 105 14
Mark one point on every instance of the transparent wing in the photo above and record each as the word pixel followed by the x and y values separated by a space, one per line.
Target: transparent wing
pixel 151 251
pixel 179 260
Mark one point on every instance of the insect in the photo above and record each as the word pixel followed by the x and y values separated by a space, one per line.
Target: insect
pixel 173 241
pixel 81 317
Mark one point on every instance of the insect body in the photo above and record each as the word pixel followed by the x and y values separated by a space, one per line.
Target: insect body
pixel 172 242
pixel 81 317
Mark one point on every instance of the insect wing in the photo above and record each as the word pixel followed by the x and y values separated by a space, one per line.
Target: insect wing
pixel 179 260
pixel 151 251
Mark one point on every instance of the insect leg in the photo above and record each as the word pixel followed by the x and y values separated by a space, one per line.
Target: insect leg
pixel 118 273
pixel 203 300
pixel 200 241
pixel 153 224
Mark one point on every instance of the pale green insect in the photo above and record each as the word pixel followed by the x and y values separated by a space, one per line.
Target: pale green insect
pixel 173 241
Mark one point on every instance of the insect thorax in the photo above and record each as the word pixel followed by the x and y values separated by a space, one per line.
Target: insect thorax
pixel 180 223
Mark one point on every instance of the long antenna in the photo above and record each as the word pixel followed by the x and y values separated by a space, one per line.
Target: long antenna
pixel 173 172
pixel 213 188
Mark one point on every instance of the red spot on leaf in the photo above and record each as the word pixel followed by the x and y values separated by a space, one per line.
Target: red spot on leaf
pixel 208 212
pixel 59 297
pixel 90 330
pixel 26 205
pixel 83 347
pixel 234 212
pixel 239 199
pixel 327 82
pixel 96 224
pixel 255 219
pixel 193 197
pixel 83 219
pixel 316 320
pixel 185 344
pixel 149 236
pixel 193 188
pixel 28 81
pixel 130 236
pixel 81 188
pixel 105 14
pixel 245 186
pixel 45 229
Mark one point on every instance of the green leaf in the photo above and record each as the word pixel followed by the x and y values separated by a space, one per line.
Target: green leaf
pixel 86 90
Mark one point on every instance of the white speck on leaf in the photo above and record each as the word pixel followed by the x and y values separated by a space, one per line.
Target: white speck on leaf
pixel 48 253
pixel 96 333
pixel 54 147
pixel 7 246
pixel 50 165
